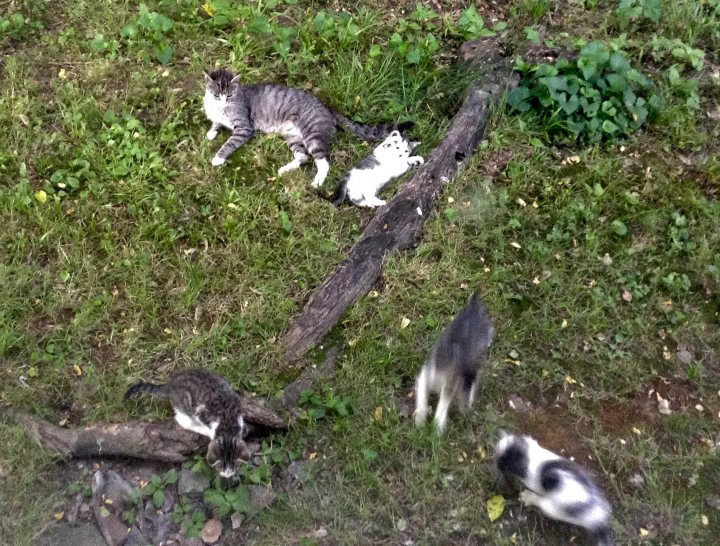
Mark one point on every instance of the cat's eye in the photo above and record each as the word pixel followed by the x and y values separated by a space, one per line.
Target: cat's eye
pixel 230 95
pixel 216 95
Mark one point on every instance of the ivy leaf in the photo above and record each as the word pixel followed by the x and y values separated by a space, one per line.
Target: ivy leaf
pixel 164 54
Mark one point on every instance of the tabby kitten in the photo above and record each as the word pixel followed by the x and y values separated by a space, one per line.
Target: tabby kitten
pixel 306 124
pixel 205 403
pixel 390 159
pixel 561 489
pixel 453 366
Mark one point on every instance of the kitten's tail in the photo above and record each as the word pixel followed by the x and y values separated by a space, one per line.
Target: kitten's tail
pixel 150 388
pixel 369 132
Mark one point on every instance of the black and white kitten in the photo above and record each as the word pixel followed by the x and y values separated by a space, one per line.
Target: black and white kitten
pixel 390 159
pixel 453 367
pixel 206 404
pixel 306 124
pixel 561 489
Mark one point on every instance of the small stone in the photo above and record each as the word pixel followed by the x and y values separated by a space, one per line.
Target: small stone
pixel 519 405
pixel 685 356
pixel 212 531
pixel 113 528
pixel 664 407
pixel 713 501
pixel 321 533
pixel 136 538
pixel 294 471
pixel 164 527
pixel 117 490
pixel 71 535
pixel 236 520
pixel 260 497
pixel 192 482
pixel 637 481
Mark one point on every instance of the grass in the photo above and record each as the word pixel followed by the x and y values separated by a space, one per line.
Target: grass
pixel 139 258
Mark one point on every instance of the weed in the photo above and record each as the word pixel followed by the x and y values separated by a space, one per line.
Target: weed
pixel 597 96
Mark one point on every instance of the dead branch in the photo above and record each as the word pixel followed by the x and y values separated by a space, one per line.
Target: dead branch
pixel 397 226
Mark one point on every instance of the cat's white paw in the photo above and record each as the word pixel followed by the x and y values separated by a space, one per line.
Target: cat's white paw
pixel 421 416
pixel 528 498
pixel 317 183
pixel 211 134
pixel 376 203
pixel 217 161
pixel 416 160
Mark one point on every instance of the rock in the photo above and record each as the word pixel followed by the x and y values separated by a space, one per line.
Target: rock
pixel 71 535
pixel 713 501
pixel 321 533
pixel 519 405
pixel 113 529
pixel 685 356
pixel 260 497
pixel 236 520
pixel 170 500
pixel 148 519
pixel 212 531
pixel 294 471
pixel 637 481
pixel 164 526
pixel 195 541
pixel 192 482
pixel 136 538
pixel 117 490
pixel 72 508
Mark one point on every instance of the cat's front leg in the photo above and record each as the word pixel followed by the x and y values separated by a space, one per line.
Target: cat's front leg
pixel 240 136
pixel 213 132
pixel 415 160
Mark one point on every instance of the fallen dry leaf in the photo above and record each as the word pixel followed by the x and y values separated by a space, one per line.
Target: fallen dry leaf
pixel 495 507
pixel 627 295
pixel 404 323
pixel 664 407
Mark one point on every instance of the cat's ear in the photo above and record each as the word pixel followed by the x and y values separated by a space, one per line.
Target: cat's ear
pixel 236 79
pixel 208 77
pixel 395 134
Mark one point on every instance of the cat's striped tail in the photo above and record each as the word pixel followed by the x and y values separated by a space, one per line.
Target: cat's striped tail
pixel 369 132
pixel 601 536
pixel 150 388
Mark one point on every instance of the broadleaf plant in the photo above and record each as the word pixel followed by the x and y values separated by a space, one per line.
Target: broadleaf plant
pixel 598 95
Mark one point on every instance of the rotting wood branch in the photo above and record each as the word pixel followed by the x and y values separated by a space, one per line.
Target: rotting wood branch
pixel 161 441
pixel 398 225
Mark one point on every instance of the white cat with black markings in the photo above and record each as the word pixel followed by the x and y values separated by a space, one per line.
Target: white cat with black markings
pixel 390 159
pixel 561 489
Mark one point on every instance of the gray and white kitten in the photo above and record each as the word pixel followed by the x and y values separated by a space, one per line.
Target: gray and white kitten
pixel 390 159
pixel 453 367
pixel 206 404
pixel 306 124
pixel 561 489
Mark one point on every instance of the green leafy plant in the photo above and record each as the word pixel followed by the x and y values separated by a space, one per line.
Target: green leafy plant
pixel 596 96
pixel 155 487
pixel 236 499
pixel 662 48
pixel 318 407
pixel 634 10
pixel 151 27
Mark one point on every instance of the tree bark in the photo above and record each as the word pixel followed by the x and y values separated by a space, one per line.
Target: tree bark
pixel 164 441
pixel 397 225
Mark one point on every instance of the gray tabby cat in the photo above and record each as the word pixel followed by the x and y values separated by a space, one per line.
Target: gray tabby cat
pixel 205 403
pixel 390 159
pixel 561 489
pixel 306 124
pixel 453 367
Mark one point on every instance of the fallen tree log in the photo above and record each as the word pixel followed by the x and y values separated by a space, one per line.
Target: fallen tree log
pixel 164 441
pixel 398 224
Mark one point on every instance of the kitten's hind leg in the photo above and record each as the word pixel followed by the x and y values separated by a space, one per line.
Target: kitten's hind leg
pixel 547 505
pixel 421 397
pixel 443 407
pixel 318 145
pixel 300 156
pixel 323 167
